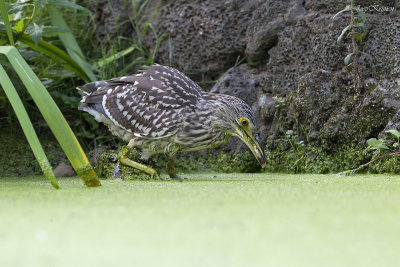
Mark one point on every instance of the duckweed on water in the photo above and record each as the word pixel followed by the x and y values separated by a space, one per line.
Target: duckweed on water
pixel 231 219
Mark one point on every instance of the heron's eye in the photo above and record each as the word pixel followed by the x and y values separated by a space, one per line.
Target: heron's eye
pixel 244 122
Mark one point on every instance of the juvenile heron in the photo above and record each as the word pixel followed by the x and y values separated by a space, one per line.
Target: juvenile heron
pixel 163 111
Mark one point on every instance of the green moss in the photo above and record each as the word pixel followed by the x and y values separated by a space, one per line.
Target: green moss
pixel 17 159
pixel 185 163
pixel 388 165
pixel 106 163
pixel 309 159
pixel 280 158
pixel 223 162
pixel 372 121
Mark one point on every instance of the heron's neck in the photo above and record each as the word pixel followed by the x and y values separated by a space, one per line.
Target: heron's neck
pixel 220 114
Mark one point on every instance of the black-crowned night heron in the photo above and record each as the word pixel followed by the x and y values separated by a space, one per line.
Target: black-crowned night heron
pixel 163 111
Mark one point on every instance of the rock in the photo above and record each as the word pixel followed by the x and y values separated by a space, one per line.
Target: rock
pixel 64 170
pixel 96 155
pixel 295 11
pixel 325 6
pixel 109 15
pixel 241 82
pixel 393 124
pixel 383 47
pixel 385 94
pixel 263 29
pixel 357 121
pixel 205 36
pixel 391 100
pixel 318 96
pixel 300 80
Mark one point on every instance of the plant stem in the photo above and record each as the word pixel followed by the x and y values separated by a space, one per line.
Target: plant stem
pixel 356 68
pixel 4 14
pixel 287 137
pixel 372 161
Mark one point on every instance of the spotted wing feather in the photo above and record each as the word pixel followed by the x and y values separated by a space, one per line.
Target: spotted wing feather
pixel 149 104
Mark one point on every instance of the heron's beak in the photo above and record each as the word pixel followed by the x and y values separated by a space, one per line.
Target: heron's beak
pixel 254 143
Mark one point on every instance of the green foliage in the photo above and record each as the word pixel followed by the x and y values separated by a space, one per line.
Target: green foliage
pixel 280 101
pixel 357 27
pixel 394 133
pixel 281 157
pixel 28 27
pixel 43 101
pixel 4 15
pixel 344 31
pixel 69 42
pixel 55 53
pixel 27 17
pixel 386 165
pixel 356 30
pixel 121 55
pixel 347 59
pixel 383 144
pixel 386 154
pixel 375 144
pixel 27 127
pixel 51 114
pixel 108 56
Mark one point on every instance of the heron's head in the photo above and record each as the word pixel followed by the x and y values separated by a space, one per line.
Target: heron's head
pixel 238 119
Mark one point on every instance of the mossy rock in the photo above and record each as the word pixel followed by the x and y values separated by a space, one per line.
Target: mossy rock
pixel 310 159
pixel 106 162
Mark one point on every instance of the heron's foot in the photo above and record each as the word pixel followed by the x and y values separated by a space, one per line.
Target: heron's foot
pixel 139 166
pixel 171 169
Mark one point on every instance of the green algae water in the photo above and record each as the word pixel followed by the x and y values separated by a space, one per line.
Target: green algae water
pixel 207 220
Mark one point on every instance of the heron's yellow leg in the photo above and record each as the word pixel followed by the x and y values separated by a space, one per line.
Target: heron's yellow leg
pixel 128 162
pixel 171 168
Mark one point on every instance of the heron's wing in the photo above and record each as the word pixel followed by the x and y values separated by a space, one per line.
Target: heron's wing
pixel 171 83
pixel 149 104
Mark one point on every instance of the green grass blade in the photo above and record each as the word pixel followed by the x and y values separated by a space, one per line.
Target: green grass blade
pixel 55 53
pixel 27 127
pixel 105 61
pixel 4 14
pixel 68 4
pixel 53 117
pixel 69 42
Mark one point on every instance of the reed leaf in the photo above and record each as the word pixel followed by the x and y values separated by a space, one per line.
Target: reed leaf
pixel 55 53
pixel 69 42
pixel 53 117
pixel 105 61
pixel 27 127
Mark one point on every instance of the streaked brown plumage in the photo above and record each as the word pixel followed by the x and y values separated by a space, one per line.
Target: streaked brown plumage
pixel 163 111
